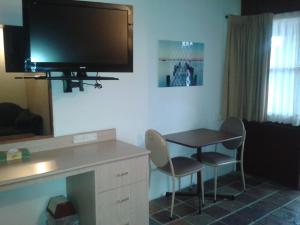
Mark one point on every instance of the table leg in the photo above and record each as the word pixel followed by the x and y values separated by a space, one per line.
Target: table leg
pixel 199 179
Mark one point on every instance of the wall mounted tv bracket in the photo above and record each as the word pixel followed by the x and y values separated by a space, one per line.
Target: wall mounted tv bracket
pixel 72 80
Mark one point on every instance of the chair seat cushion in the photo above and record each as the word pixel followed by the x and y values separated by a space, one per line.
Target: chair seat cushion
pixel 183 166
pixel 215 158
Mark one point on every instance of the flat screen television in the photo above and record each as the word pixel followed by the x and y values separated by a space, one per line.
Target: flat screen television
pixel 68 35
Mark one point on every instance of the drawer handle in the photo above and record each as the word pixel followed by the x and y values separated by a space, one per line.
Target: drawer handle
pixel 123 200
pixel 122 174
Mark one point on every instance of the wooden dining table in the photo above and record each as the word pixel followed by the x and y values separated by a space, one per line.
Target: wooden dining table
pixel 197 139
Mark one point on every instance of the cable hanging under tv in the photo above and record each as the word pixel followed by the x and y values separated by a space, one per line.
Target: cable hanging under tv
pixel 72 79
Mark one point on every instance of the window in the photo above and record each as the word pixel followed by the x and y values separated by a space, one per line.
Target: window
pixel 284 79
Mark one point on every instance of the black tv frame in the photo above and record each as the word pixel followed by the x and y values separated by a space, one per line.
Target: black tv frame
pixel 13 38
pixel 76 67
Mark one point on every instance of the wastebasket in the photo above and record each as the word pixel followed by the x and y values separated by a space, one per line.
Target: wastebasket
pixel 68 220
pixel 60 211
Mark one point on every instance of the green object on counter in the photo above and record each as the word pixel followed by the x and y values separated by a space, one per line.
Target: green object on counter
pixel 25 153
pixel 4 157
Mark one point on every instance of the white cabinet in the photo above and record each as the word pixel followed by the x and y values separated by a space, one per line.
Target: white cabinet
pixel 127 205
pixel 122 192
pixel 114 193
pixel 106 180
pixel 113 207
pixel 121 173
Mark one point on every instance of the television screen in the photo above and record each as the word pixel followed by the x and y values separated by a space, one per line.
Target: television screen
pixel 67 35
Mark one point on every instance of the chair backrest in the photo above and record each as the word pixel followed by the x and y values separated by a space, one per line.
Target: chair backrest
pixel 235 126
pixel 8 113
pixel 158 148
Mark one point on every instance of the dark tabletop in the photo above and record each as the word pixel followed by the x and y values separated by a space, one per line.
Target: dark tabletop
pixel 200 137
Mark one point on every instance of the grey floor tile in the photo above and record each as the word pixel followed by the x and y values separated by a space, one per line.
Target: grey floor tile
pixel 270 186
pixel 282 197
pixel 251 214
pixel 259 192
pixel 197 219
pixel 245 198
pixel 154 208
pixel 294 206
pixel 274 205
pixel 163 217
pixel 184 210
pixel 179 222
pixel 231 205
pixel 194 202
pixel 163 202
pixel 287 215
pixel 271 220
pixel 291 193
pixel 216 211
pixel 218 223
pixel 235 219
pixel 265 206
pixel 152 222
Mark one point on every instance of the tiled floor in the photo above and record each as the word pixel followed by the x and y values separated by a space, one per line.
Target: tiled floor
pixel 264 203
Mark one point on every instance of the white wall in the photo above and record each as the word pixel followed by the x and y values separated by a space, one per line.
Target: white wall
pixel 26 206
pixel 11 12
pixel 135 103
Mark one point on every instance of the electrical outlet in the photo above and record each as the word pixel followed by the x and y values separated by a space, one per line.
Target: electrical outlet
pixel 82 138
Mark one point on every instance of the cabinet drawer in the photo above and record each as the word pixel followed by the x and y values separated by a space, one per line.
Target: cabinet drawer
pixel 121 173
pixel 124 206
pixel 113 207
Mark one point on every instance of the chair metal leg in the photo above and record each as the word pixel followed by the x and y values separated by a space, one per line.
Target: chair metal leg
pixel 202 188
pixel 243 175
pixel 215 183
pixel 173 197
pixel 149 174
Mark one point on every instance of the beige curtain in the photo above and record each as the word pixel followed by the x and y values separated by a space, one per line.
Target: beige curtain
pixel 247 63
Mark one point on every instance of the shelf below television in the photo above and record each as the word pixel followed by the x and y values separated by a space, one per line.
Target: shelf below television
pixel 71 81
pixel 68 78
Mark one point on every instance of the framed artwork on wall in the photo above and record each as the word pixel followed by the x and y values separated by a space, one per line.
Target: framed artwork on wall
pixel 180 63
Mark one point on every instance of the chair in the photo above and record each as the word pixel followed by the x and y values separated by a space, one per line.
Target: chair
pixel 15 120
pixel 215 159
pixel 176 167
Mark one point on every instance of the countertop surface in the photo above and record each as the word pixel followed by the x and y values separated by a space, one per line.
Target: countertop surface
pixel 59 161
